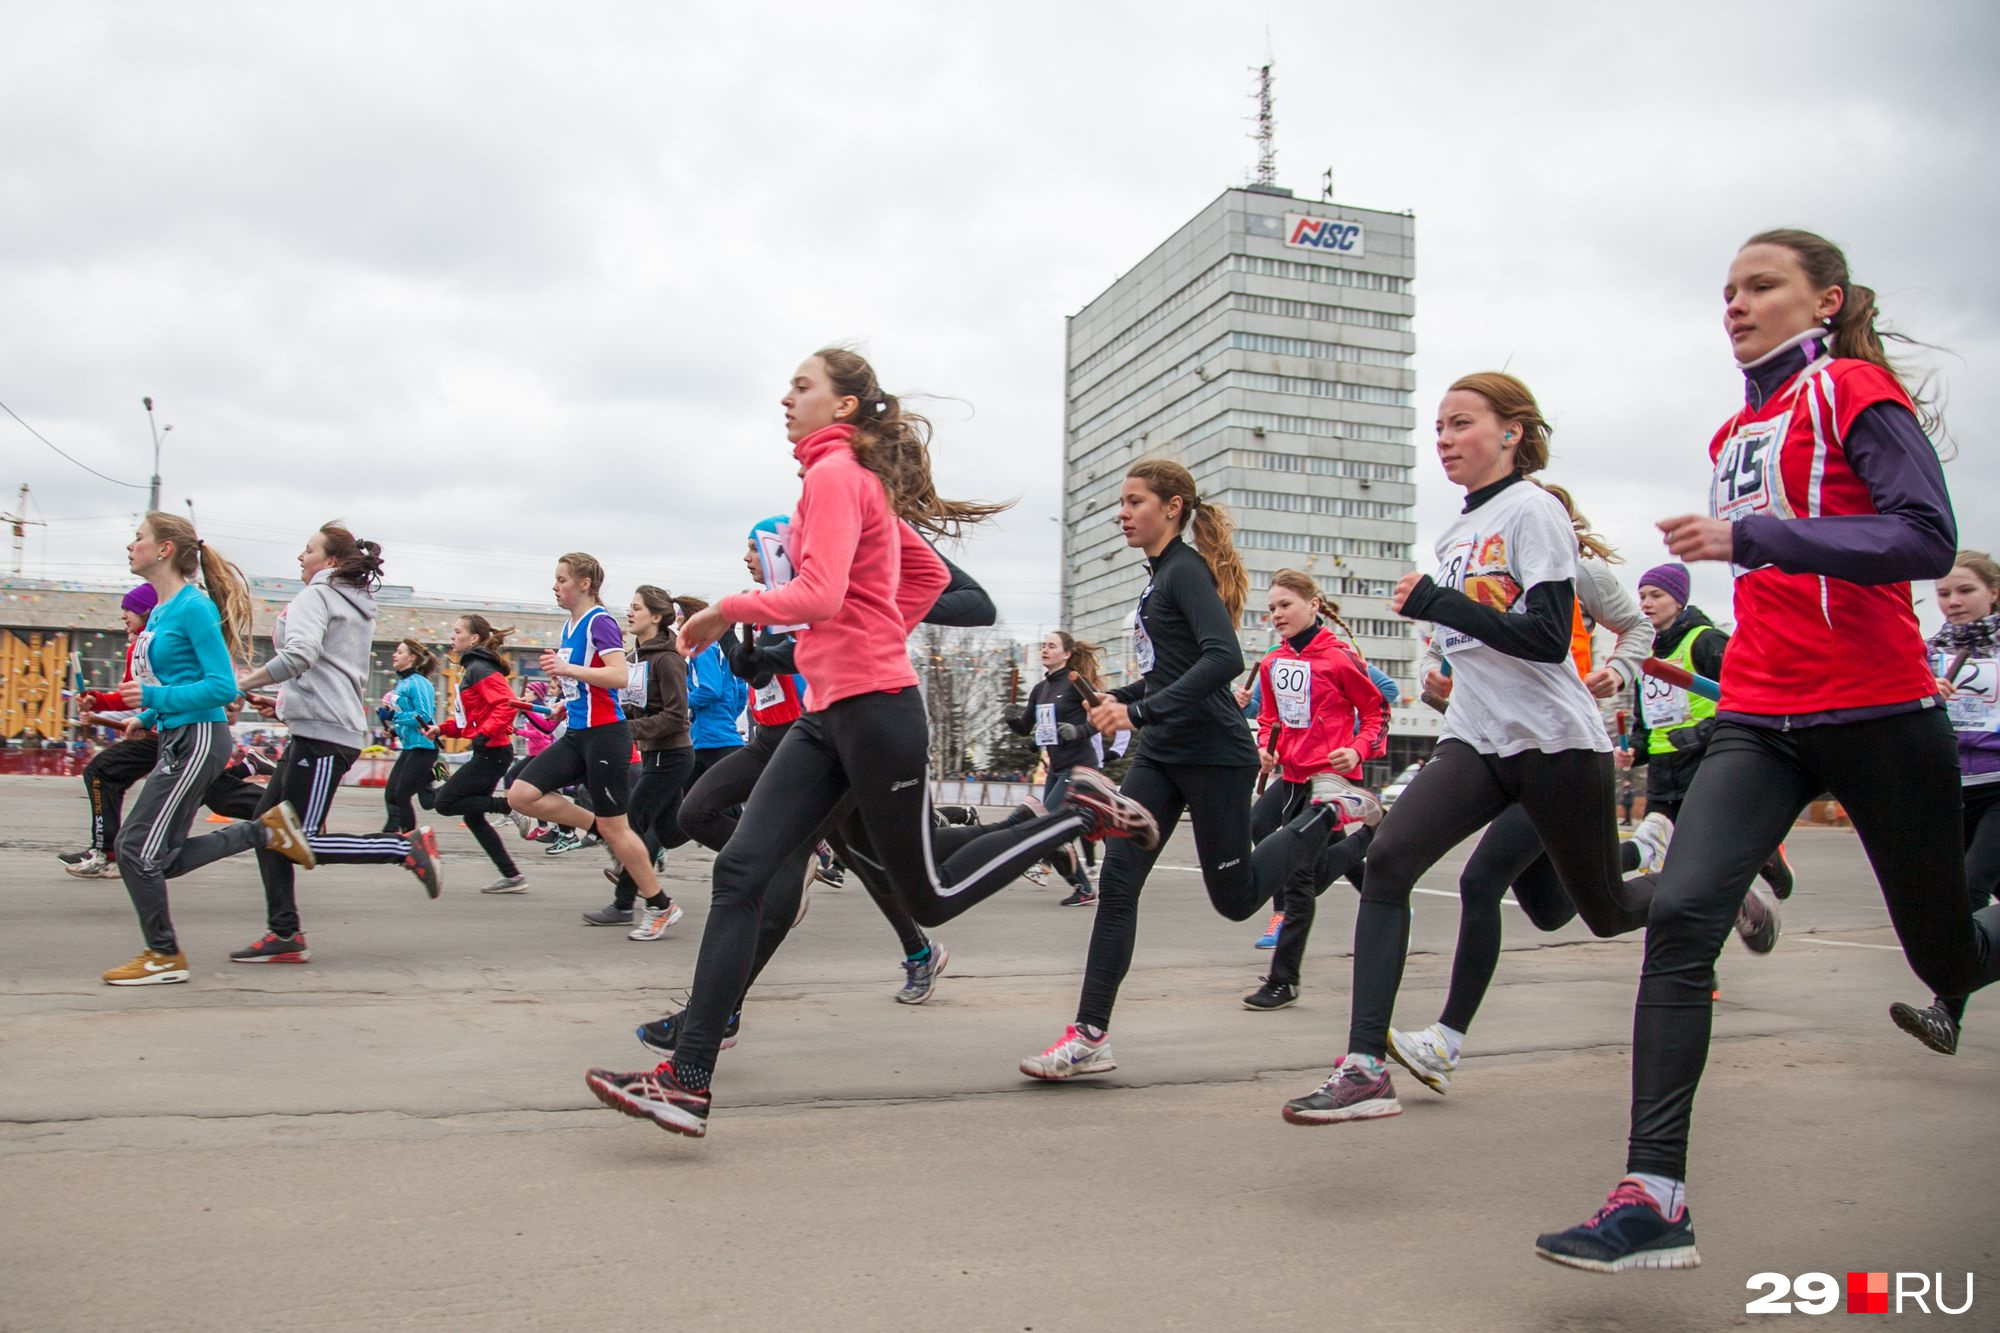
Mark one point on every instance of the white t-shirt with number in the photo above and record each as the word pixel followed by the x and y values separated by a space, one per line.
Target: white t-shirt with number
pixel 1501 704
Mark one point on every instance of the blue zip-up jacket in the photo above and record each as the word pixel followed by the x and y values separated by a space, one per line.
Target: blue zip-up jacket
pixel 716 698
pixel 415 708
pixel 184 650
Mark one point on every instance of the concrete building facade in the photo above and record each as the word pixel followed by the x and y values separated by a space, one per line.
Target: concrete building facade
pixel 1267 346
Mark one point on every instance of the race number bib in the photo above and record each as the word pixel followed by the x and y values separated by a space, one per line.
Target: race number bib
pixel 1746 471
pixel 1142 643
pixel 1661 704
pixel 142 660
pixel 770 696
pixel 636 676
pixel 458 710
pixel 567 687
pixel 1976 705
pixel 1451 574
pixel 1291 689
pixel 1045 724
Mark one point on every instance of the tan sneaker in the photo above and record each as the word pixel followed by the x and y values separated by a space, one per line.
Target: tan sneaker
pixel 287 838
pixel 149 969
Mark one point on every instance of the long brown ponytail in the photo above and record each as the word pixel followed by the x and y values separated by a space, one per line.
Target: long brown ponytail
pixel 220 578
pixel 1083 658
pixel 896 446
pixel 1213 530
pixel 1853 326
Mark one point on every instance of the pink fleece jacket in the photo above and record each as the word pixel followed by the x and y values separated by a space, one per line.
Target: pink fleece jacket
pixel 862 578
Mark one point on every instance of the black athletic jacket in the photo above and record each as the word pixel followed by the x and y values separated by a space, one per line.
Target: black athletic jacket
pixel 1058 689
pixel 1182 708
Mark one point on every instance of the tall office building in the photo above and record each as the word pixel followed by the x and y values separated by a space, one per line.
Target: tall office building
pixel 1266 346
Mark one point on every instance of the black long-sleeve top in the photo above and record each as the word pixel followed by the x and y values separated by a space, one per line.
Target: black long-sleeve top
pixel 1182 709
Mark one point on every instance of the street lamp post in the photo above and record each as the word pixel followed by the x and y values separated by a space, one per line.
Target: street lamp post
pixel 153 495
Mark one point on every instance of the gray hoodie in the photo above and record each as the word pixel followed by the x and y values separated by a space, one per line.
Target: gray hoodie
pixel 322 643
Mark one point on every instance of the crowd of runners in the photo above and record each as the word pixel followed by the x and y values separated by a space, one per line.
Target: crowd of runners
pixel 1827 499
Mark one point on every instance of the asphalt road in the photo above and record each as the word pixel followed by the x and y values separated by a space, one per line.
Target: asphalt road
pixel 397 1134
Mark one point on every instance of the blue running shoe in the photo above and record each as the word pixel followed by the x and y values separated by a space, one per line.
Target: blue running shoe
pixel 921 978
pixel 1269 939
pixel 1628 1232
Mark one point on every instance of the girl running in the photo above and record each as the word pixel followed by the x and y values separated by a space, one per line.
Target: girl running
pixel 182 679
pixel 658 702
pixel 1194 753
pixel 1510 854
pixel 321 644
pixel 863 578
pixel 411 713
pixel 113 770
pixel 1054 715
pixel 1522 727
pixel 484 713
pixel 1965 657
pixel 1321 716
pixel 1827 498
pixel 596 749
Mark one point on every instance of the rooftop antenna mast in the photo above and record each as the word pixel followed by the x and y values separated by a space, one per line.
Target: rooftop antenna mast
pixel 21 523
pixel 1267 126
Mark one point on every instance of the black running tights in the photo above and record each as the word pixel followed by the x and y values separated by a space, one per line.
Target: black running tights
pixel 1568 799
pixel 468 793
pixel 1240 879
pixel 1897 777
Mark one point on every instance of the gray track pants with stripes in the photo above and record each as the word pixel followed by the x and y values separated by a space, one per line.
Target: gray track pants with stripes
pixel 153 845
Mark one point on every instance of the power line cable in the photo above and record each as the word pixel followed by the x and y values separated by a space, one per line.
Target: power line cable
pixel 134 485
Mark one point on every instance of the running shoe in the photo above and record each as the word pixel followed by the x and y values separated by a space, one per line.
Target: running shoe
pixel 1107 812
pixel 613 915
pixel 422 860
pixel 1628 1232
pixel 566 841
pixel 95 865
pixel 1269 939
pixel 1351 1092
pixel 508 884
pixel 921 975
pixel 660 1035
pixel 520 821
pixel 286 838
pixel 830 874
pixel 1930 1025
pixel 1757 919
pixel 77 858
pixel 273 949
pixel 1273 994
pixel 1037 874
pixel 1080 897
pixel 1357 803
pixel 150 968
pixel 658 1096
pixel 1652 837
pixel 440 773
pixel 653 921
pixel 1073 1057
pixel 1777 872
pixel 612 872
pixel 1425 1055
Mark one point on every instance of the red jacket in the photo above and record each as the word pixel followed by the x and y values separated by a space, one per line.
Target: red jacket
pixel 1326 683
pixel 111 701
pixel 864 578
pixel 483 710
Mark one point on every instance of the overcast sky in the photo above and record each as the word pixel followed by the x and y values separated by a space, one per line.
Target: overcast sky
pixel 494 281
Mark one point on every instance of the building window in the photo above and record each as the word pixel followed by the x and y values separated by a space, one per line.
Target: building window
pixel 1318 351
pixel 1284 423
pixel 1331 506
pixel 1318 467
pixel 1152 317
pixel 1326 314
pixel 1252 539
pixel 1320 273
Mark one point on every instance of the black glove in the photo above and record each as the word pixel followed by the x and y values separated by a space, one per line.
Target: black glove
pixel 746 659
pixel 1694 739
pixel 1068 732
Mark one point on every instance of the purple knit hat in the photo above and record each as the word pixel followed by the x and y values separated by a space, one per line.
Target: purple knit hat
pixel 1669 579
pixel 140 601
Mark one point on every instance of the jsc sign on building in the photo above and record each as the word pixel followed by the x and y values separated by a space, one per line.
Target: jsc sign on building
pixel 1329 234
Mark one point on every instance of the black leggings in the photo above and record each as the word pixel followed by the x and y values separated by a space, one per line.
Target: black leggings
pixel 1239 879
pixel 1982 843
pixel 1510 855
pixel 1568 800
pixel 308 775
pixel 468 793
pixel 873 747
pixel 657 791
pixel 1281 803
pixel 410 778
pixel 107 777
pixel 1897 777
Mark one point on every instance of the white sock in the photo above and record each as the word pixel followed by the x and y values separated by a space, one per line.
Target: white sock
pixel 1453 1039
pixel 1669 1195
pixel 1366 1062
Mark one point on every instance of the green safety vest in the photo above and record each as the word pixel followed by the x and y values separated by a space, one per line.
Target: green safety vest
pixel 1675 708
